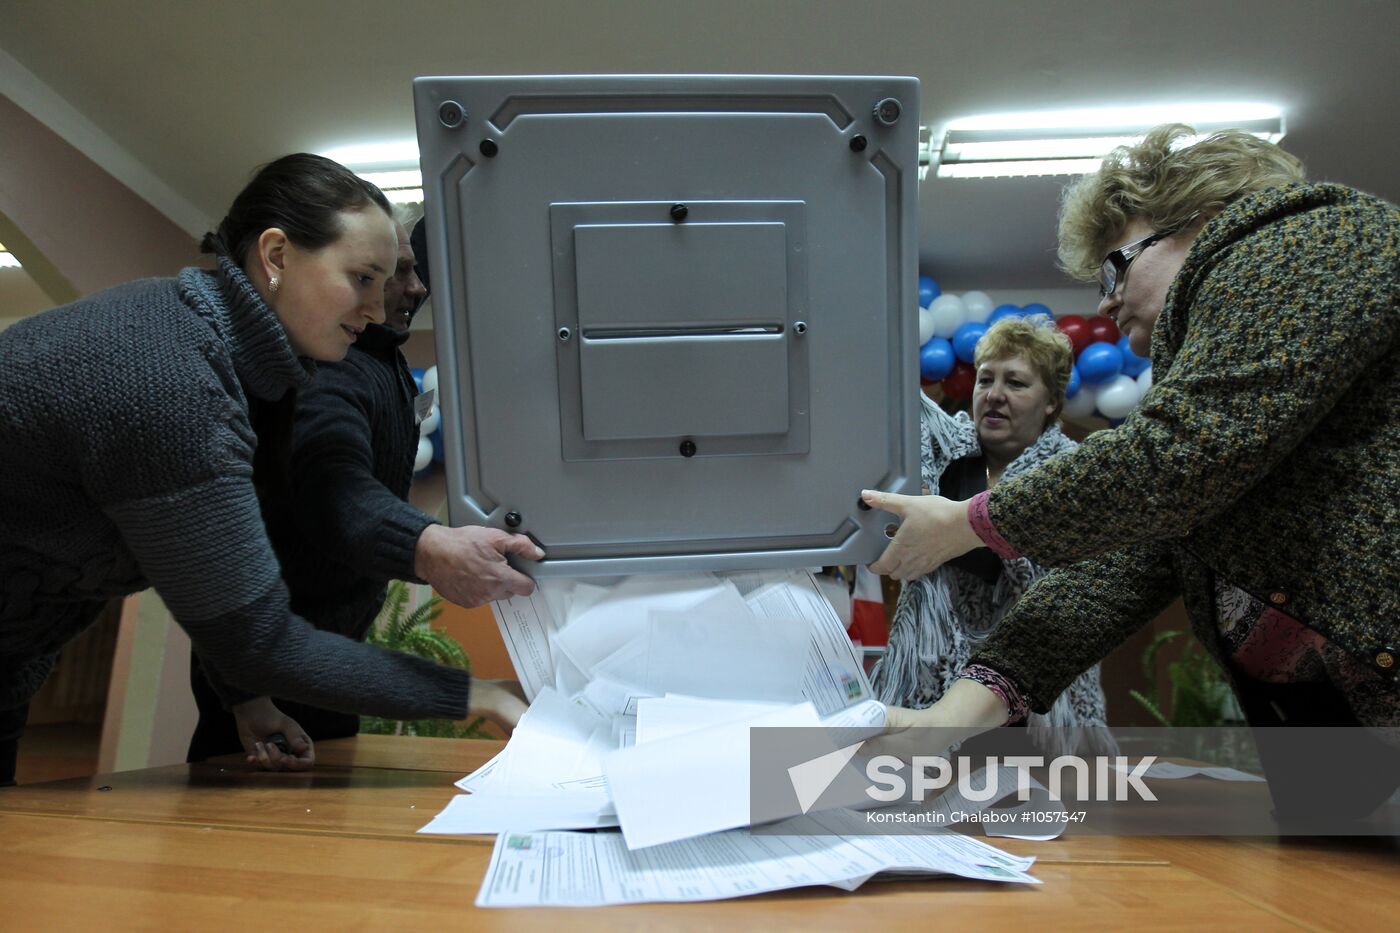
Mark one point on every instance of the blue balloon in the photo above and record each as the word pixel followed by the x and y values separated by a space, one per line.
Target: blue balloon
pixel 1133 365
pixel 936 359
pixel 928 290
pixel 1036 307
pixel 417 373
pixel 965 339
pixel 1003 311
pixel 1075 381
pixel 1100 362
pixel 439 452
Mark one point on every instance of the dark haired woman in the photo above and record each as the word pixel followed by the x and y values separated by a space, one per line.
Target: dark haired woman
pixel 127 461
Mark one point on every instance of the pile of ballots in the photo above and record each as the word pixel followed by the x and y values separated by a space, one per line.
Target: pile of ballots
pixel 643 691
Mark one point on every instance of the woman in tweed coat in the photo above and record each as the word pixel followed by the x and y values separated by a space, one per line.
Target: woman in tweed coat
pixel 1259 477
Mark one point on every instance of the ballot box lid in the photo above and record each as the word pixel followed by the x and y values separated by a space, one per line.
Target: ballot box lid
pixel 676 316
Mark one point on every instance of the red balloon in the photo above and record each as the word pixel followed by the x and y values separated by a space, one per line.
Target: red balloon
pixel 1076 328
pixel 1103 329
pixel 957 385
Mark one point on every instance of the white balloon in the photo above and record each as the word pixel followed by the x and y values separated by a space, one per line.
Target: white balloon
pixel 925 326
pixel 425 454
pixel 430 423
pixel 1115 399
pixel 430 379
pixel 1144 381
pixel 1081 406
pixel 948 314
pixel 978 306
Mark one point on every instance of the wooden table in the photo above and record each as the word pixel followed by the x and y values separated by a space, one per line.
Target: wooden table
pixel 216 846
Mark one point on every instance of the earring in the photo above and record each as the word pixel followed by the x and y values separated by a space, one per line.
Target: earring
pixel 274 284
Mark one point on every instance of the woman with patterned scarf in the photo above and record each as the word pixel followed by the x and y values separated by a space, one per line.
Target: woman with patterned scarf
pixel 1023 369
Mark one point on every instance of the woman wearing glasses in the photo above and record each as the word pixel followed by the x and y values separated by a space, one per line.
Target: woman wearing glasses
pixel 1259 478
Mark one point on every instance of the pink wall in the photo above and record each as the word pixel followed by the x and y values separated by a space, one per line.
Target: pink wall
pixel 91 229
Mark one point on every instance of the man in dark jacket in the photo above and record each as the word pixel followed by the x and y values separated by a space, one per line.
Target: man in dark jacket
pixel 339 518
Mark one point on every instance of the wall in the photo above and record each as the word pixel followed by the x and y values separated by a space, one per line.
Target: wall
pixel 20 296
pixel 71 224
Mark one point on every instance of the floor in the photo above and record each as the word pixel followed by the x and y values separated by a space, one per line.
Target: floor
pixel 58 751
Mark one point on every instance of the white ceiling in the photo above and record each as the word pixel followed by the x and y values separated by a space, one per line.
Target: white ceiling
pixel 199 92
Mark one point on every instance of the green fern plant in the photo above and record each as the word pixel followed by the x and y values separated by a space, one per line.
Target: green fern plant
pixel 412 633
pixel 1199 692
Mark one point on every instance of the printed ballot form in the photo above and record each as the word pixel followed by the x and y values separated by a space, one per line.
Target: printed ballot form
pixel 618 670
pixel 643 693
pixel 570 633
pixel 565 869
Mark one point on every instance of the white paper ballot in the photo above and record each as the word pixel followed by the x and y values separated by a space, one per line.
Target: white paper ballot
pixel 690 784
pixel 527 626
pixel 498 813
pixel 599 625
pixel 663 717
pixel 482 777
pixel 867 716
pixel 593 869
pixel 602 620
pixel 556 741
pixel 835 676
pixel 593 654
pixel 725 656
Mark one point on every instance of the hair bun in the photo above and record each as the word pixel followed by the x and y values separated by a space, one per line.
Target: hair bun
pixel 213 243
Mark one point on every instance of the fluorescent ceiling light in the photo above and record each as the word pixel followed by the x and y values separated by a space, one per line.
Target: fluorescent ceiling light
pixel 391 181
pixel 1013 168
pixel 392 166
pixel 7 259
pixel 376 157
pixel 1068 142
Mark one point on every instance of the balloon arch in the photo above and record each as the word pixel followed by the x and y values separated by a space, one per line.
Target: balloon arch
pixel 1108 378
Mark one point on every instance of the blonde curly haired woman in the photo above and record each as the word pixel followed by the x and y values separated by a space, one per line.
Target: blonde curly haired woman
pixel 1259 478
pixel 942 617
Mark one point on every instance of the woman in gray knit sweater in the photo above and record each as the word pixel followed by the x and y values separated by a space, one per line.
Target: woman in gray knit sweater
pixel 127 462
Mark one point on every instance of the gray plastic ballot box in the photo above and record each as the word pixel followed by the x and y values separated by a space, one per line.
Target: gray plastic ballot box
pixel 676 315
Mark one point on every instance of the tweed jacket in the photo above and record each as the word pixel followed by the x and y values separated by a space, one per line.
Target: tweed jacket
pixel 1266 454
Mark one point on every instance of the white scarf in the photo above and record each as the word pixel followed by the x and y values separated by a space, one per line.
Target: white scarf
pixel 942 617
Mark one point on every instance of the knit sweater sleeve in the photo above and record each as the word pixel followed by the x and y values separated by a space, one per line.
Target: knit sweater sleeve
pixel 1277 327
pixel 1073 617
pixel 338 498
pixel 191 520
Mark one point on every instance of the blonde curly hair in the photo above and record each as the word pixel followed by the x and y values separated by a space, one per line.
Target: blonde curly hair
pixel 1035 340
pixel 1165 184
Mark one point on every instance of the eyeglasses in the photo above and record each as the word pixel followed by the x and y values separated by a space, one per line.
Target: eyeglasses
pixel 1114 268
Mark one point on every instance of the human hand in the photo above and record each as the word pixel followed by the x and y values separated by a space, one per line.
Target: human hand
pixel 966 709
pixel 467 565
pixel 258 720
pixel 932 531
pixel 500 701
